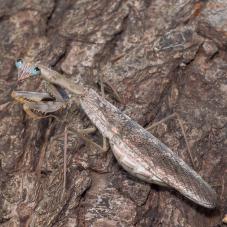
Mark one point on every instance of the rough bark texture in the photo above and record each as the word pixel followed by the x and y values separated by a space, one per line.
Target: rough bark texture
pixel 160 57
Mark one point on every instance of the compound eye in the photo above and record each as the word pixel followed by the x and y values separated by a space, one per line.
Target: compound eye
pixel 35 71
pixel 19 63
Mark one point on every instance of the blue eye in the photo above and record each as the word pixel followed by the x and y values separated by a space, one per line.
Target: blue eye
pixel 35 71
pixel 19 63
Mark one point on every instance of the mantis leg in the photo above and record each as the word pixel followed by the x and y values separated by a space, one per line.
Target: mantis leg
pixel 29 112
pixel 175 115
pixel 37 110
pixel 82 133
pixel 104 140
pixel 48 107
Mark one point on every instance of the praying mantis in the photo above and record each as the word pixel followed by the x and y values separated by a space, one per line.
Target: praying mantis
pixel 36 104
pixel 137 151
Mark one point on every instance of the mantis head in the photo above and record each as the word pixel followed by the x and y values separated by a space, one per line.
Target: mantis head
pixel 26 70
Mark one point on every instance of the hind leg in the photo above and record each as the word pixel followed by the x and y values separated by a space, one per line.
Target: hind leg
pixel 175 115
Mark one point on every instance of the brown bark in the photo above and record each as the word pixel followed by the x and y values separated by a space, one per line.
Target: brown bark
pixel 160 57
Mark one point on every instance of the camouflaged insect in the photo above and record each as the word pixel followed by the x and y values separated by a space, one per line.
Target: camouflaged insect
pixel 39 104
pixel 137 150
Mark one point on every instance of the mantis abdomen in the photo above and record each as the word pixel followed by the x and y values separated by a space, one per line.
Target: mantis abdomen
pixel 142 154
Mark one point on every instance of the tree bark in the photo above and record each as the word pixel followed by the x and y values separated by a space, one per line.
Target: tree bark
pixel 156 58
